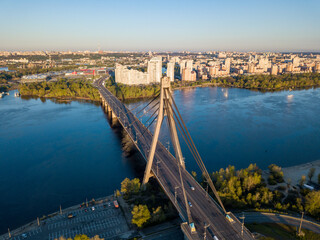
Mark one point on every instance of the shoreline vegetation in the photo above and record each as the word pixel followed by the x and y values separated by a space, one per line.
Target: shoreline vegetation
pixel 62 89
pixel 264 83
pixel 247 189
pixel 269 190
pixel 79 89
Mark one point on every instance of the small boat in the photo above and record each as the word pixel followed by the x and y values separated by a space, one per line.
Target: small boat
pixel 17 94
pixel 0 95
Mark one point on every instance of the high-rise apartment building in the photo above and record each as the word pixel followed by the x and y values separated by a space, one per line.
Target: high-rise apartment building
pixel 189 64
pixel 274 69
pixel 155 69
pixel 251 68
pixel 227 64
pixel 128 76
pixel 263 63
pixel 296 62
pixel 189 75
pixel 183 64
pixel 170 70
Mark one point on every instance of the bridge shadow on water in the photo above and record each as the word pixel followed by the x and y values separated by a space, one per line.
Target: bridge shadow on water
pixel 130 152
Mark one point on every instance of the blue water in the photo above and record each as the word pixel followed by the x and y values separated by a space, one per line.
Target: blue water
pixel 239 127
pixel 52 154
pixel 4 69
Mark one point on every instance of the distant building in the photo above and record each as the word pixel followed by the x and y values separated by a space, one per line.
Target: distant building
pixel 183 65
pixel 296 62
pixel 128 76
pixel 263 64
pixel 317 67
pixel 170 70
pixel 189 64
pixel 189 75
pixel 155 69
pixel 227 63
pixel 274 70
pixel 289 67
pixel 213 71
pixel 222 55
pixel 251 68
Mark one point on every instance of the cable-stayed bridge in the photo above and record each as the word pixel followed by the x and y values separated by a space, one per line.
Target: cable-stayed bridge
pixel 196 207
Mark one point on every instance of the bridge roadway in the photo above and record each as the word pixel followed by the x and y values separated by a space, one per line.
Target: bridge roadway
pixel 204 209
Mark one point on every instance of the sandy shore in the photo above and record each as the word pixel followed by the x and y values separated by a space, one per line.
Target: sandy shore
pixel 294 173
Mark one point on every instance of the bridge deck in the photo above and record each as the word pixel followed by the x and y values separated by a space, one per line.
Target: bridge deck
pixel 204 209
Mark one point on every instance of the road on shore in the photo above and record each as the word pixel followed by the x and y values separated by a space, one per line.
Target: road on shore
pixel 260 217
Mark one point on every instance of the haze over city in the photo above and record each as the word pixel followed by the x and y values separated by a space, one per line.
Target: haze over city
pixel 286 25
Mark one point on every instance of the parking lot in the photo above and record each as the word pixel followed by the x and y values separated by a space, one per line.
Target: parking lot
pixel 101 219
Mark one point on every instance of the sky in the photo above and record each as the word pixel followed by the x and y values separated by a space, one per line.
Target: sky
pixel 167 25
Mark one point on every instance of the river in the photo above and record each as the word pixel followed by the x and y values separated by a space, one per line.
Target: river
pixel 54 153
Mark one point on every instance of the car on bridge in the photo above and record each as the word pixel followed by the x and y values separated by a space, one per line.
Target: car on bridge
pixel 192 228
pixel 191 187
pixel 229 218
pixel 212 234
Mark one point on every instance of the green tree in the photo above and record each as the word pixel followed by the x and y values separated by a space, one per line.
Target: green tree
pixel 312 204
pixel 130 186
pixel 302 180
pixel 158 215
pixel 140 215
pixel 276 172
pixel 125 186
pixel 81 237
pixel 311 173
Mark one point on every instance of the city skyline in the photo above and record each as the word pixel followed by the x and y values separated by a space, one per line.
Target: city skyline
pixel 161 25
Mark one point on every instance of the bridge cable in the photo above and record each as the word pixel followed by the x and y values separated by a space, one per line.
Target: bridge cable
pixel 149 125
pixel 146 105
pixel 200 163
pixel 156 104
pixel 153 114
pixel 137 117
pixel 198 159
pixel 179 167
pixel 156 94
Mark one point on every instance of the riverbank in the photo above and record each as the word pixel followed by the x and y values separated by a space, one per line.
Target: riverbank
pixel 293 174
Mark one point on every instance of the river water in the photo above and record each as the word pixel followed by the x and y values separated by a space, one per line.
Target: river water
pixel 54 153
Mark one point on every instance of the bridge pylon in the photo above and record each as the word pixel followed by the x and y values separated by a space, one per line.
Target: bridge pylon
pixel 164 110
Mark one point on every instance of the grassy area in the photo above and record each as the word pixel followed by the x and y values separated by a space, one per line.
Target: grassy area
pixel 275 231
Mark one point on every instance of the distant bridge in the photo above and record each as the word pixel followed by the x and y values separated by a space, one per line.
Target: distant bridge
pixel 189 198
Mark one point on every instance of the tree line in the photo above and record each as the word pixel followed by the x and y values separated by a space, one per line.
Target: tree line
pixel 271 82
pixel 61 89
pixel 246 188
pixel 124 92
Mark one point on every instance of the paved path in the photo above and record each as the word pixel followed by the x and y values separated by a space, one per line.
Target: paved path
pixel 259 217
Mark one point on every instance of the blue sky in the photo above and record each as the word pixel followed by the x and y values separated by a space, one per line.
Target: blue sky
pixel 240 25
